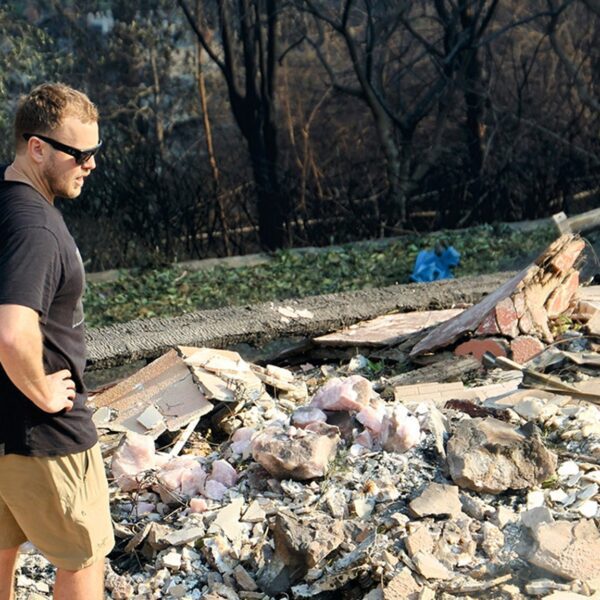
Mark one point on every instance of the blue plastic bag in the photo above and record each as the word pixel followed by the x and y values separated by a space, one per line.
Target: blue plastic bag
pixel 432 266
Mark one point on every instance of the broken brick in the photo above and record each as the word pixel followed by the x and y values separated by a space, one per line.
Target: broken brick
pixel 560 299
pixel 525 322
pixel 536 295
pixel 488 326
pixel 477 347
pixel 506 318
pixel 525 347
pixel 564 260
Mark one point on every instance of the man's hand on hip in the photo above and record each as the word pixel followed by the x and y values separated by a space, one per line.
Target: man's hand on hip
pixel 21 356
pixel 62 391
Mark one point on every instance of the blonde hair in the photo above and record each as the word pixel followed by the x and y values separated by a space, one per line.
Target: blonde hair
pixel 46 106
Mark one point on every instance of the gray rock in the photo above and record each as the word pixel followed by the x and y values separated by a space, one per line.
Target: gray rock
pixel 304 542
pixel 475 507
pixel 275 577
pixel 419 540
pixel 254 513
pixel 244 579
pixel 487 455
pixel 218 552
pixel 543 587
pixel 533 517
pixel 120 588
pixel 503 516
pixel 185 535
pixel 455 546
pixel 374 594
pixel 493 539
pixel 227 521
pixel 223 592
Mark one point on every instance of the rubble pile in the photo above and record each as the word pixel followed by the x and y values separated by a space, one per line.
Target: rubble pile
pixel 348 480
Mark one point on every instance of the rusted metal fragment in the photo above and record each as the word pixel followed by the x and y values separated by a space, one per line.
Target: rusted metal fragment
pixel 165 384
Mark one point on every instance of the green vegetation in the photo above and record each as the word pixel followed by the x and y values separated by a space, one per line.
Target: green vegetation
pixel 174 291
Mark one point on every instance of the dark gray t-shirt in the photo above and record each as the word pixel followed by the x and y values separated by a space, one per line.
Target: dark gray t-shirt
pixel 40 267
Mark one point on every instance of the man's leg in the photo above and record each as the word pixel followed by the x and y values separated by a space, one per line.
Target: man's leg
pixel 8 561
pixel 85 584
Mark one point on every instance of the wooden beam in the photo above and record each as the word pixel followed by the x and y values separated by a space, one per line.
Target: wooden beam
pixel 583 222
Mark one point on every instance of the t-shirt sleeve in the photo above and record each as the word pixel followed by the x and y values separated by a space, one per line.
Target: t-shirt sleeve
pixel 30 269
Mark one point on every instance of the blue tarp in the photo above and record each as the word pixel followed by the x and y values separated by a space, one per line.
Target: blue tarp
pixel 433 265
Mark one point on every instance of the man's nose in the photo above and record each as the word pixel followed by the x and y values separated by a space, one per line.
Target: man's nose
pixel 90 163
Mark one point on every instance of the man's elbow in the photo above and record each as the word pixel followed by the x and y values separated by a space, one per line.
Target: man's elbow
pixel 8 343
pixel 19 327
pixel 13 337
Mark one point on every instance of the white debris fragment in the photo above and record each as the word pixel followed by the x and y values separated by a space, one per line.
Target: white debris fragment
pixel 559 496
pixel 241 440
pixel 567 469
pixel 535 499
pixel 171 560
pixel 589 509
pixel 291 313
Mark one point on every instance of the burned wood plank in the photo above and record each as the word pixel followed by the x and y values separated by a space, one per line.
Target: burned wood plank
pixel 578 223
pixel 387 330
pixel 452 369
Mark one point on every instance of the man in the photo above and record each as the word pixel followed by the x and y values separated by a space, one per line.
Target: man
pixel 53 489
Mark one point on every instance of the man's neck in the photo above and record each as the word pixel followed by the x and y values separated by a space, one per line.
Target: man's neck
pixel 15 173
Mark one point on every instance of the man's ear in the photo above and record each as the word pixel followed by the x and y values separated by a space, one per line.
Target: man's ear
pixel 35 149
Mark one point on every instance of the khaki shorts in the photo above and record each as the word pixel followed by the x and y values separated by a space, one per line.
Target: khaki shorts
pixel 60 504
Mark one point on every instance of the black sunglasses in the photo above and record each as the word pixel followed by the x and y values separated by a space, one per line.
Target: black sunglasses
pixel 80 156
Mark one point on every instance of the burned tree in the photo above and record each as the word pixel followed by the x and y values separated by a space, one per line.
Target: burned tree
pixel 574 38
pixel 409 60
pixel 247 60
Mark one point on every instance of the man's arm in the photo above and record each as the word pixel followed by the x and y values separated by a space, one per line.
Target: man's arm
pixel 21 351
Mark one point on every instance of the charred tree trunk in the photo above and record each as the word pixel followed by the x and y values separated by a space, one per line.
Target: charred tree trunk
pixel 474 105
pixel 270 201
pixel 393 205
pixel 249 60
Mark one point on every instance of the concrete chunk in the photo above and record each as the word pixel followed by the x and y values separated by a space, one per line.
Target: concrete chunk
pixel 568 549
pixel 437 500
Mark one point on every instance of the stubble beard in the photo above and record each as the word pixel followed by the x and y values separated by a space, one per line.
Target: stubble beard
pixel 63 187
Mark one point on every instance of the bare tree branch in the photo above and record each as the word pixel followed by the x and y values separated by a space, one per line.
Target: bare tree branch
pixel 202 38
pixel 571 69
